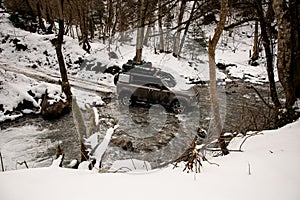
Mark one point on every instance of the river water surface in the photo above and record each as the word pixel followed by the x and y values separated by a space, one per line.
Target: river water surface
pixel 144 133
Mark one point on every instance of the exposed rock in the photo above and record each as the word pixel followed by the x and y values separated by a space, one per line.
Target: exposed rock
pixel 55 110
pixel 74 164
pixel 18 46
pixel 223 66
pixel 113 70
pixel 209 19
pixel 25 104
pixel 113 55
pixel 124 143
pixel 4 40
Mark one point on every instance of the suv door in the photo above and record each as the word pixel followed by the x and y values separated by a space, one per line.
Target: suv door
pixel 141 93
pixel 154 93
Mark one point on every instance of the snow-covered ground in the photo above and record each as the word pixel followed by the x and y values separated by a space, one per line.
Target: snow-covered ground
pixel 268 168
pixel 15 88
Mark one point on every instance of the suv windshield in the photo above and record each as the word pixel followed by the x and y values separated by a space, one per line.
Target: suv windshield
pixel 167 79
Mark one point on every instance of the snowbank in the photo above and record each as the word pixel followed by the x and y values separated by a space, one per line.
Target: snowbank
pixel 268 168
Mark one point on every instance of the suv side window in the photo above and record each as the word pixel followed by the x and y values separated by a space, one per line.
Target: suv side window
pixel 141 79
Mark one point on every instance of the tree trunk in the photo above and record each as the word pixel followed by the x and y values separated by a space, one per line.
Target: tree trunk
pixel 286 45
pixel 146 38
pixel 187 27
pixel 269 55
pixel 66 88
pixel 284 50
pixel 212 43
pixel 160 29
pixel 295 15
pixel 139 44
pixel 178 32
pixel 41 23
pixel 255 43
pixel 140 33
pixel 2 7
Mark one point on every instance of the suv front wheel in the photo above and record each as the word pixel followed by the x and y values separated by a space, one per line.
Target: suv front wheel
pixel 125 98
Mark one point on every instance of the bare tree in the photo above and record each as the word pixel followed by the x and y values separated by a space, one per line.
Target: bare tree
pixel 212 43
pixel 178 32
pixel 265 26
pixel 66 88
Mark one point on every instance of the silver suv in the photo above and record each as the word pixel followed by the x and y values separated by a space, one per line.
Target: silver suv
pixel 142 83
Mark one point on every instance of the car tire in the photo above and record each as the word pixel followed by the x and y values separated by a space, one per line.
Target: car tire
pixel 125 99
pixel 178 107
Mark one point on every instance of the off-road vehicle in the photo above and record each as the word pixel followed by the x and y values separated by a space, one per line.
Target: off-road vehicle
pixel 142 83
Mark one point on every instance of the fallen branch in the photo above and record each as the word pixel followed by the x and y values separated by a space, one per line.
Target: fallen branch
pixel 235 150
pixel 133 163
pixel 205 159
pixel 2 165
pixel 249 169
pixel 248 136
pixel 121 168
pixel 21 163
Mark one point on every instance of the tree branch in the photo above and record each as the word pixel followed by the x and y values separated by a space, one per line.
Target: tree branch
pixel 256 133
pixel 2 165
pixel 238 23
pixel 24 162
pixel 261 97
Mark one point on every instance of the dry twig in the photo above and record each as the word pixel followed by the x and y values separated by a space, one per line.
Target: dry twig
pixel 248 136
pixel 2 165
pixel 24 162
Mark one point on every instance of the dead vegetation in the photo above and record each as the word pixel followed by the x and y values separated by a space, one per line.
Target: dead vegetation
pixel 191 157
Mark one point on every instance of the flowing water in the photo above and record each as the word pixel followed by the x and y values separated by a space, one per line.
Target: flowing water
pixel 144 133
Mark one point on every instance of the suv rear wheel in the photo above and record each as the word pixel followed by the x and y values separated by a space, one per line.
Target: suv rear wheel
pixel 178 107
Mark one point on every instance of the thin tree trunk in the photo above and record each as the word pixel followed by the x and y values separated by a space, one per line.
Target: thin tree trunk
pixel 1 4
pixel 269 55
pixel 187 27
pixel 114 27
pixel 139 44
pixel 2 164
pixel 255 43
pixel 41 23
pixel 212 43
pixel 160 29
pixel 178 32
pixel 66 88
pixel 146 38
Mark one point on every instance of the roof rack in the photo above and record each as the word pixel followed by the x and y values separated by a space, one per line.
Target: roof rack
pixel 140 67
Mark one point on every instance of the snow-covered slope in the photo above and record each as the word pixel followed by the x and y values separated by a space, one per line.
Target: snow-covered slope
pixel 268 168
pixel 32 50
